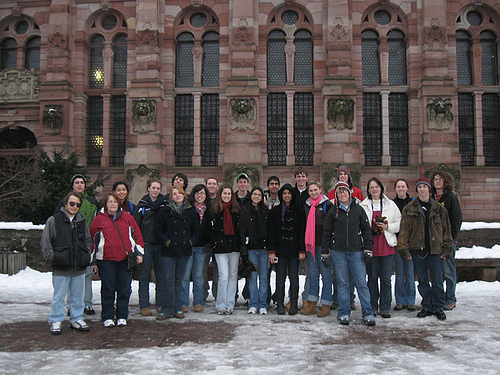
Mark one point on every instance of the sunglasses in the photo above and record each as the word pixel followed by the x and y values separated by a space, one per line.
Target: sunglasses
pixel 73 204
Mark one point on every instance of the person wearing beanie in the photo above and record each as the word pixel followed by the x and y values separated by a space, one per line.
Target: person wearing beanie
pixel 425 237
pixel 347 241
pixel 344 175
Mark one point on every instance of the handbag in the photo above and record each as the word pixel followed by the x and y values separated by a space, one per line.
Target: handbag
pixel 131 256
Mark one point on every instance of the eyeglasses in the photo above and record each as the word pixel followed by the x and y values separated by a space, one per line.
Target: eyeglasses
pixel 257 194
pixel 73 204
pixel 437 179
pixel 343 191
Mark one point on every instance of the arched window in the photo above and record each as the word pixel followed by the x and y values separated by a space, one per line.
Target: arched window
pixel 8 50
pixel 120 61
pixel 464 62
pixel 276 59
pixel 20 46
pixel 303 69
pixel 397 58
pixel 17 138
pixel 96 62
pixel 489 58
pixel 370 59
pixel 185 69
pixel 210 66
pixel 33 53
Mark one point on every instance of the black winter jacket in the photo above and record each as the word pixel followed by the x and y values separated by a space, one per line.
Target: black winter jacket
pixel 214 227
pixel 145 216
pixel 347 231
pixel 253 228
pixel 450 202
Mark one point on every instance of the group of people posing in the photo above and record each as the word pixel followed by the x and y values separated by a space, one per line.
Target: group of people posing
pixel 346 240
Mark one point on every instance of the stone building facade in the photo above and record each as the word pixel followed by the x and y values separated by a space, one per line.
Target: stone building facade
pixel 212 87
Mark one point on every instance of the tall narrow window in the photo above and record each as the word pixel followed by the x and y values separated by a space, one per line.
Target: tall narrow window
pixel 276 59
pixel 303 125
pixel 464 62
pixel 209 130
pixel 372 128
pixel 303 71
pixel 489 59
pixel 8 51
pixel 210 66
pixel 33 54
pixel 397 57
pixel 370 60
pixel 184 130
pixel 118 130
pixel 491 129
pixel 120 61
pixel 276 129
pixel 398 129
pixel 94 131
pixel 96 63
pixel 466 129
pixel 185 69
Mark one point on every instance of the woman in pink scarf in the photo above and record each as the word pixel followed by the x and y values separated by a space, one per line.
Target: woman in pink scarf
pixel 317 205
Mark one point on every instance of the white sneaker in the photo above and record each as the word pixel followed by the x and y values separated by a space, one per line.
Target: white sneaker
pixel 108 323
pixel 79 325
pixel 55 328
pixel 121 322
pixel 252 310
pixel 263 311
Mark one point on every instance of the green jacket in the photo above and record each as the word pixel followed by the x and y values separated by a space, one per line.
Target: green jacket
pixel 412 229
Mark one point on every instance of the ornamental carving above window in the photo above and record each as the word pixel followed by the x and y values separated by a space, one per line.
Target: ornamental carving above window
pixel 439 113
pixel 143 115
pixel 340 113
pixel 242 114
pixel 52 119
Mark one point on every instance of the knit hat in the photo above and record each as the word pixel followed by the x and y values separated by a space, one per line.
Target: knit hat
pixel 78 176
pixel 342 185
pixel 423 180
pixel 343 168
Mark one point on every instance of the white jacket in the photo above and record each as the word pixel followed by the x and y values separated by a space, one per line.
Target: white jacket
pixel 391 211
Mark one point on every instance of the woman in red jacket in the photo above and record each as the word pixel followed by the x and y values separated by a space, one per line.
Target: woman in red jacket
pixel 115 234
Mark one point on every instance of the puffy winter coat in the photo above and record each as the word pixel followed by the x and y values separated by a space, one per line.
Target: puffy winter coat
pixel 393 216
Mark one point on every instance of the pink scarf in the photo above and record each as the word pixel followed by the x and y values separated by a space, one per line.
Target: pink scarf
pixel 311 226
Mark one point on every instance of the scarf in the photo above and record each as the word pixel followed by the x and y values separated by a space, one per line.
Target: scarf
pixel 311 226
pixel 200 208
pixel 177 208
pixel 227 219
pixel 283 211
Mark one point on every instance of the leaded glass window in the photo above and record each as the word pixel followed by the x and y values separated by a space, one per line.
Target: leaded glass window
pixel 210 70
pixel 8 51
pixel 370 59
pixel 117 130
pixel 184 60
pixel 397 57
pixel 372 128
pixel 276 129
pixel 491 129
pixel 489 58
pixel 474 18
pixel 382 17
pixel 398 129
pixel 276 59
pixel 33 54
pixel 198 19
pixel 464 61
pixel 22 27
pixel 94 131
pixel 209 133
pixel 184 130
pixel 303 71
pixel 120 61
pixel 466 129
pixel 96 63
pixel 289 17
pixel 303 125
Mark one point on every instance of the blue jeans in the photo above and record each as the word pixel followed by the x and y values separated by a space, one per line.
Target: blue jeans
pixel 76 287
pixel 175 268
pixel 194 267
pixel 345 263
pixel 430 271
pixel 258 295
pixel 405 281
pixel 227 264
pixel 450 276
pixel 115 280
pixel 314 269
pixel 380 267
pixel 152 256
pixel 87 297
pixel 351 287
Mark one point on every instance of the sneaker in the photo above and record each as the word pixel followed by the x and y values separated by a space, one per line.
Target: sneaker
pixel 79 325
pixel 252 310
pixel 162 316
pixel 344 320
pixel 221 312
pixel 410 307
pixel 179 315
pixel 369 321
pixel 399 307
pixel 228 312
pixel 385 314
pixel 449 306
pixel 146 311
pixel 185 309
pixel 198 308
pixel 424 313
pixel 55 328
pixel 89 310
pixel 263 311
pixel 121 322
pixel 109 323
pixel 440 315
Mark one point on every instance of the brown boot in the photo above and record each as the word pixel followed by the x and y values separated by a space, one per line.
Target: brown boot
pixel 309 308
pixel 324 311
pixel 287 306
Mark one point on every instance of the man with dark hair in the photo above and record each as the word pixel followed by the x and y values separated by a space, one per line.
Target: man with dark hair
pixel 213 186
pixel 442 187
pixel 301 177
pixel 271 192
pixel 180 179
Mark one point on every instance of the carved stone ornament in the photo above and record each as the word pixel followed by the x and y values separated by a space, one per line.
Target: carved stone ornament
pixel 242 35
pixel 18 85
pixel 439 113
pixel 196 3
pixel 147 38
pixel 143 115
pixel 340 113
pixel 52 119
pixel 57 41
pixel 242 113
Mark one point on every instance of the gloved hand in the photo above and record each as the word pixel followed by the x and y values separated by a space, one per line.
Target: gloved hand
pixel 325 260
pixel 368 255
